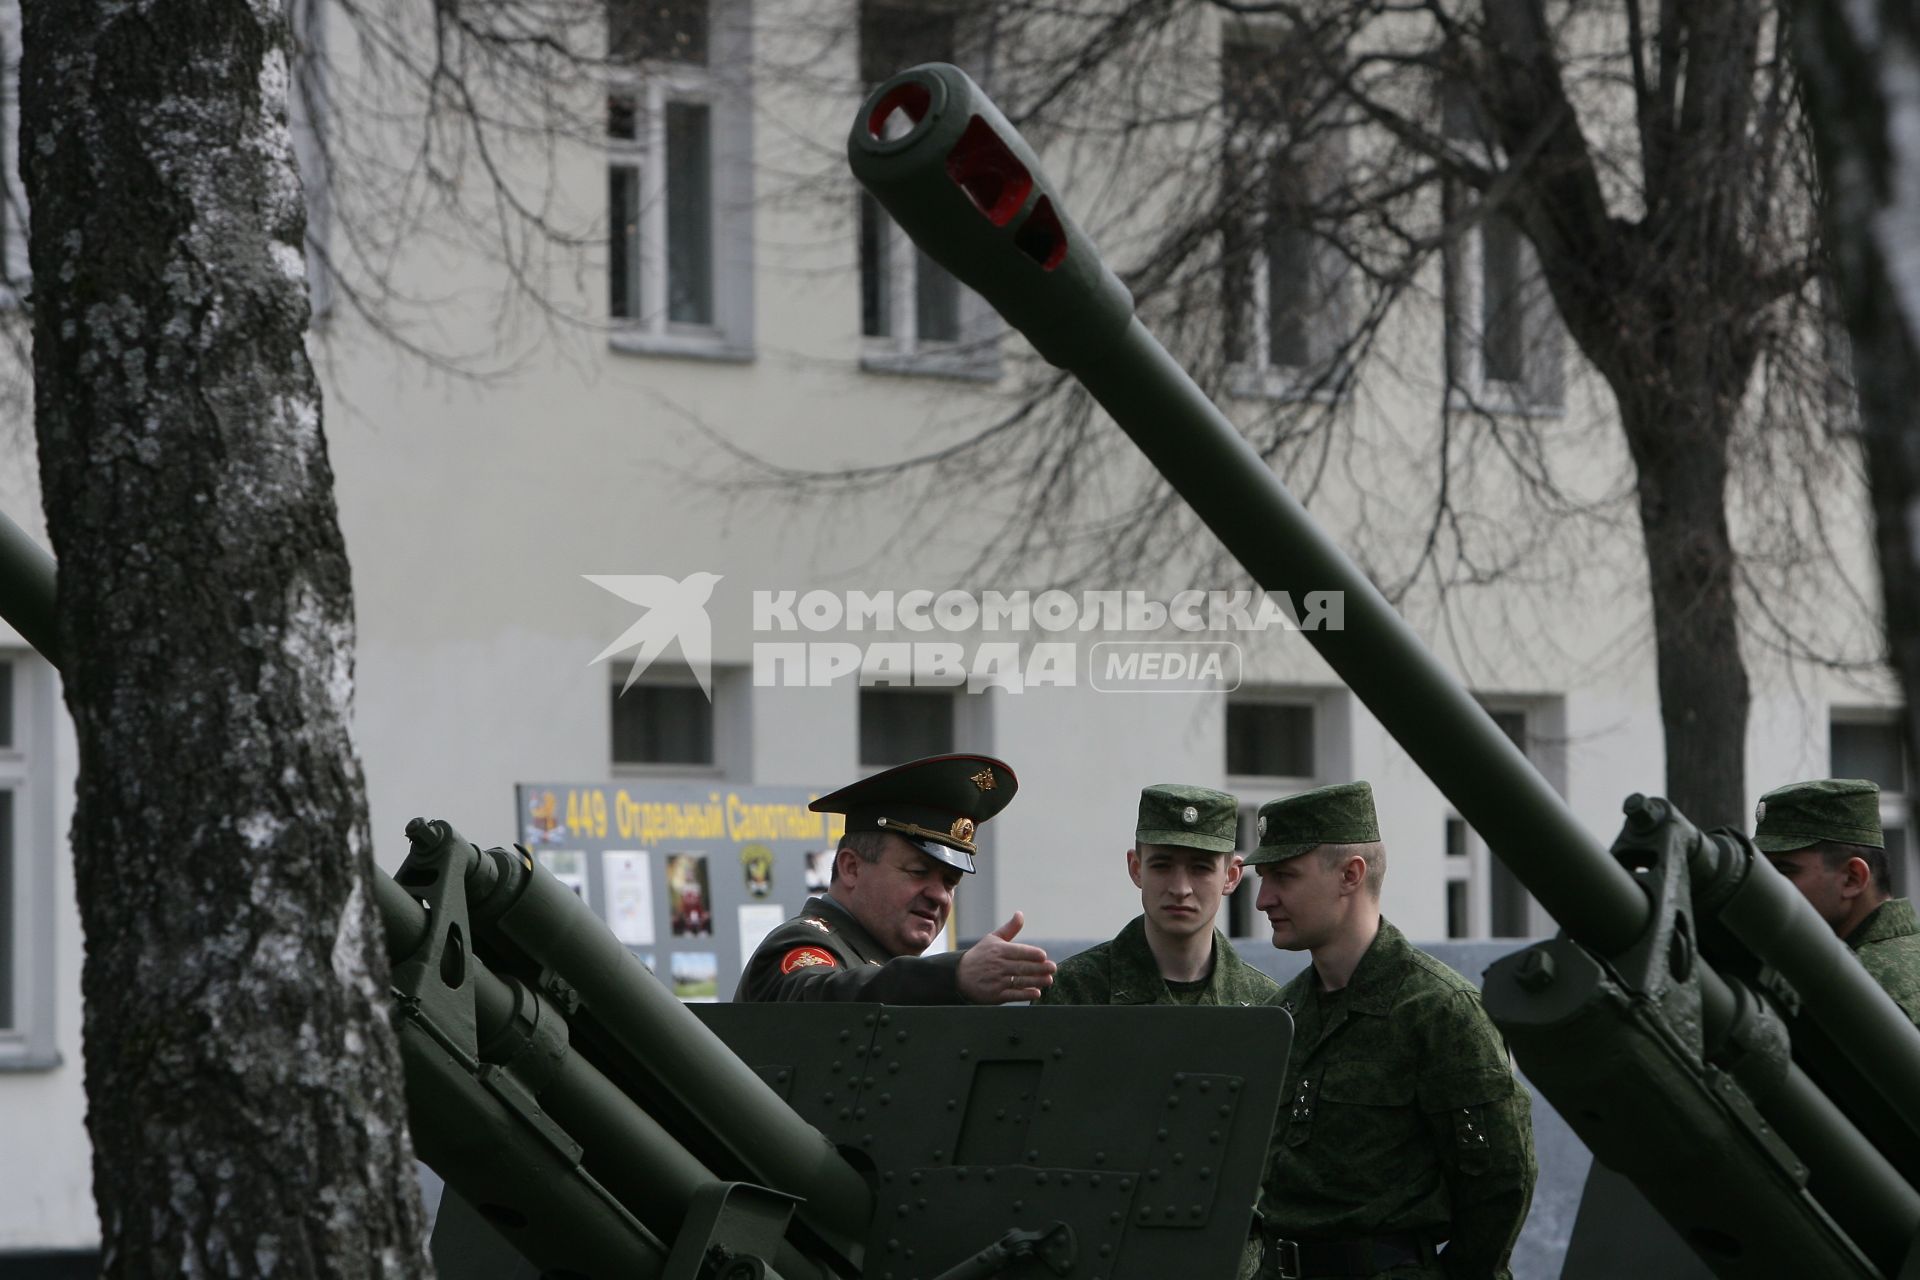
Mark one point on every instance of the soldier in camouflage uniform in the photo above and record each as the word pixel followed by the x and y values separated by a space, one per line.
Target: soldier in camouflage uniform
pixel 1404 1143
pixel 1184 865
pixel 908 842
pixel 1825 837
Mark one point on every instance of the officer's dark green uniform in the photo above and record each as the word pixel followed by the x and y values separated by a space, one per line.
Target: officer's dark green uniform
pixel 1402 1125
pixel 935 805
pixel 1847 811
pixel 1123 971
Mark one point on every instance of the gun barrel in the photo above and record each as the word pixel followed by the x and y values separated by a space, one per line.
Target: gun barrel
pixel 1006 236
pixel 517 906
pixel 28 599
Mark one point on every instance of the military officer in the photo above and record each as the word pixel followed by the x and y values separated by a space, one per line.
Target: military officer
pixel 1825 836
pixel 909 840
pixel 1404 1143
pixel 1183 863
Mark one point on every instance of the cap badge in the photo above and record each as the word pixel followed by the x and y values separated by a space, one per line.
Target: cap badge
pixel 1189 815
pixel 962 829
pixel 1263 826
pixel 1760 814
pixel 984 780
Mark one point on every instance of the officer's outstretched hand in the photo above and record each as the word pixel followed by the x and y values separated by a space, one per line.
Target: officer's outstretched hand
pixel 996 969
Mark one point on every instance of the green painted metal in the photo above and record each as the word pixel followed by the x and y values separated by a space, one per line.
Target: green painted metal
pixel 27 572
pixel 1080 317
pixel 1765 1152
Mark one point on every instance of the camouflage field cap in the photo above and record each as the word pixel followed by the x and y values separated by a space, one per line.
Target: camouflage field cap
pixel 935 804
pixel 1805 813
pixel 1197 817
pixel 1292 825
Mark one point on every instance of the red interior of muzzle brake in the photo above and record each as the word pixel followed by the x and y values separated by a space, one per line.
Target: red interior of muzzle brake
pixel 1041 237
pixel 989 173
pixel 909 97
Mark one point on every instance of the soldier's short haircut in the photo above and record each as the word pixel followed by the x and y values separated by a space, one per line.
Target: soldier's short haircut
pixel 1373 852
pixel 1835 854
pixel 866 845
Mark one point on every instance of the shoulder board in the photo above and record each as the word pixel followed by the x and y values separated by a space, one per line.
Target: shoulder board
pixel 817 923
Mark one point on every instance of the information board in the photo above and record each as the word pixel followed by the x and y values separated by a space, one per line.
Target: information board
pixel 690 876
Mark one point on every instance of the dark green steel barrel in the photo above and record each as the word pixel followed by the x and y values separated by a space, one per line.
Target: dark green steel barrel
pixel 966 188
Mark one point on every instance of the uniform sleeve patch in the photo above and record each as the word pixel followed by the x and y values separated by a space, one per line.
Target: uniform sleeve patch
pixel 805 958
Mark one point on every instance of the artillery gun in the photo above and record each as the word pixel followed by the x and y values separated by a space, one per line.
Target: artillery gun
pixel 1700 1027
pixel 1696 1022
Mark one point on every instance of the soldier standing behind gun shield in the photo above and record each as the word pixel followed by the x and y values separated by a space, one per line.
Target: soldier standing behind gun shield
pixel 1825 836
pixel 1184 864
pixel 909 840
pixel 1404 1144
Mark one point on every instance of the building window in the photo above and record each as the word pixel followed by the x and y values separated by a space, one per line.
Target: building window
pixel 1506 348
pixel 1282 280
pixel 662 724
pixel 1273 748
pixel 1270 739
pixel 1485 899
pixel 679 178
pixel 914 316
pixel 898 725
pixel 1872 745
pixel 27 911
pixel 1458 861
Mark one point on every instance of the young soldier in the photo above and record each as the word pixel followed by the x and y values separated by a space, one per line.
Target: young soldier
pixel 1825 837
pixel 908 841
pixel 1402 1127
pixel 1183 862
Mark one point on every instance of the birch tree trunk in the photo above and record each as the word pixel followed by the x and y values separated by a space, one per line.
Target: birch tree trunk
pixel 243 1083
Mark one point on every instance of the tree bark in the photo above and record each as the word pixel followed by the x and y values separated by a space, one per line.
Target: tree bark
pixel 1858 60
pixel 1670 310
pixel 243 1083
pixel 1704 694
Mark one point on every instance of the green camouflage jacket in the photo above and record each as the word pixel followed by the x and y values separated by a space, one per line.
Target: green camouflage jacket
pixel 1124 972
pixel 825 954
pixel 1888 942
pixel 1401 1113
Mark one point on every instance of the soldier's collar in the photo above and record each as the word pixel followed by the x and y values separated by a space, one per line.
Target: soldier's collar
pixel 1377 978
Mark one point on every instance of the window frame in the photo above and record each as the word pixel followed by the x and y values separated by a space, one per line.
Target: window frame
pixel 1326 314
pixel 723 84
pixel 1894 812
pixel 974 355
pixel 669 678
pixel 26 768
pixel 1542 741
pixel 956 714
pixel 1541 390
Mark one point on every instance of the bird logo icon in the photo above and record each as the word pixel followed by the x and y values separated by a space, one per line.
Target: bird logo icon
pixel 674 611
